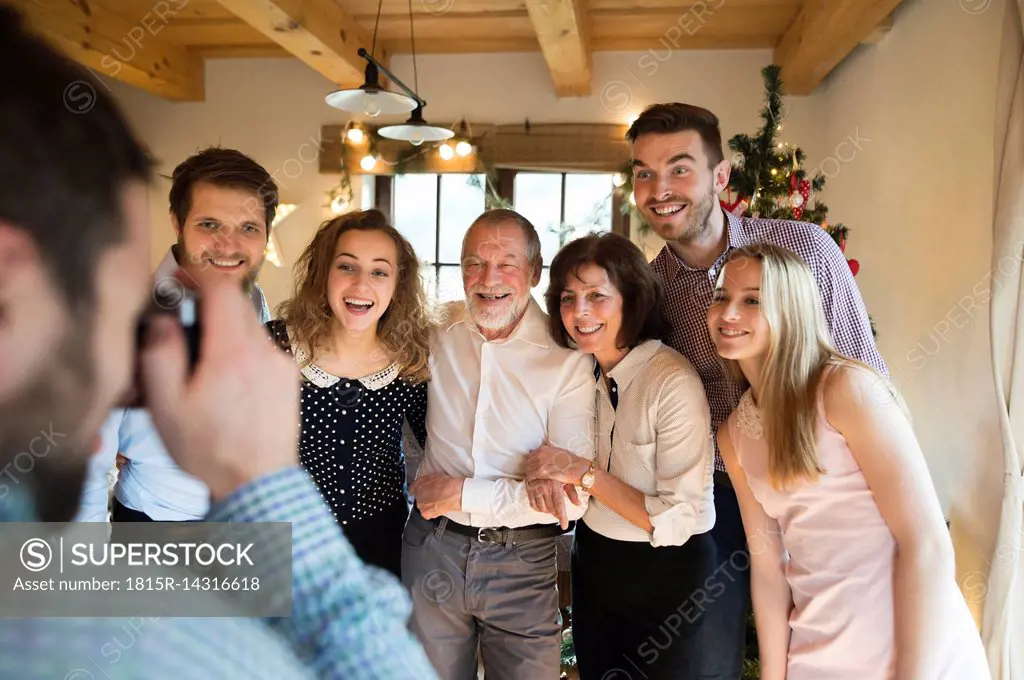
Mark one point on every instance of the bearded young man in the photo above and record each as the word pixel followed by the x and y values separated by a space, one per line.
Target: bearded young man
pixel 222 204
pixel 679 170
pixel 74 278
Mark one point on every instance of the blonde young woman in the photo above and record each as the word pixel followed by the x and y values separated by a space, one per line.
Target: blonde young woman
pixel 852 567
pixel 358 327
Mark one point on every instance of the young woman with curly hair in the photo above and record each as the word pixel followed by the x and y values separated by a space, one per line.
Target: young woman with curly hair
pixel 358 327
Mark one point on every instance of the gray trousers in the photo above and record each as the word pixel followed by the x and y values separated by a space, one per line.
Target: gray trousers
pixel 467 595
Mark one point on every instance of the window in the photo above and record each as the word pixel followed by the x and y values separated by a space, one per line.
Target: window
pixel 433 211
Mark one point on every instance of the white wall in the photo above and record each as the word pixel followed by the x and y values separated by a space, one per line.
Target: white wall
pixel 272 109
pixel 918 198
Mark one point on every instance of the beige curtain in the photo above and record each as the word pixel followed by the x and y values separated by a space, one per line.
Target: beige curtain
pixel 1003 621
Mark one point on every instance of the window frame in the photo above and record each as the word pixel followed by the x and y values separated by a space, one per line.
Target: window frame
pixel 504 184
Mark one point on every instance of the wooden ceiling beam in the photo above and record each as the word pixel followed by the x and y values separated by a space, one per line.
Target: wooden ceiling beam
pixel 563 34
pixel 822 35
pixel 129 51
pixel 317 32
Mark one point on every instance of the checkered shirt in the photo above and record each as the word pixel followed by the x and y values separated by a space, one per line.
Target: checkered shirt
pixel 689 290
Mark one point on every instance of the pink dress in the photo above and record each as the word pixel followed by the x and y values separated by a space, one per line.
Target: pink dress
pixel 841 557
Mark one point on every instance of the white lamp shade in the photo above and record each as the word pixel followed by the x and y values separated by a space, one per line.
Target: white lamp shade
pixel 416 133
pixel 371 102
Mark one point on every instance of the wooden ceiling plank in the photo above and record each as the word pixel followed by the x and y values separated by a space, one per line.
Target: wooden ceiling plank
pixel 452 26
pixel 227 32
pixel 318 32
pixel 563 33
pixel 431 7
pixel 707 40
pixel 109 44
pixel 255 51
pixel 134 10
pixel 641 7
pixel 822 35
pixel 715 17
pixel 481 45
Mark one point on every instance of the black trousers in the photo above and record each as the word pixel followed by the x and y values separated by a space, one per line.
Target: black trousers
pixel 377 540
pixel 636 609
pixel 724 632
pixel 121 516
pixel 122 513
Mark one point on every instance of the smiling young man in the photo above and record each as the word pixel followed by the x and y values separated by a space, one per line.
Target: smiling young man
pixel 222 204
pixel 679 170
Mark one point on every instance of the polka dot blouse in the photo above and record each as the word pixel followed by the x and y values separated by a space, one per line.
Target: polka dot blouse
pixel 351 436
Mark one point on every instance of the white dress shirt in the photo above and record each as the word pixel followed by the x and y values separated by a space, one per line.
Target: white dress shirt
pixel 150 482
pixel 654 433
pixel 492 402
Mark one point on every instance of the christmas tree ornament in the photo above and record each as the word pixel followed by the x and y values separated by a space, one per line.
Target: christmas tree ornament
pixel 769 179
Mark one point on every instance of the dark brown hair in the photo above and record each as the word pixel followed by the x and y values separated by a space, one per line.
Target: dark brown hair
pixel 224 168
pixel 67 152
pixel 664 119
pixel 404 328
pixel 643 297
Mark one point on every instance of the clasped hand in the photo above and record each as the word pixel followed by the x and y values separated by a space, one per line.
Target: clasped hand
pixel 552 474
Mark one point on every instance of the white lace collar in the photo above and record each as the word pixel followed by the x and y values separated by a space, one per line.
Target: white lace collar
pixel 748 417
pixel 322 378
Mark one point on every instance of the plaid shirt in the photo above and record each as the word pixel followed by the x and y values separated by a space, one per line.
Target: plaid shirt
pixel 688 291
pixel 348 621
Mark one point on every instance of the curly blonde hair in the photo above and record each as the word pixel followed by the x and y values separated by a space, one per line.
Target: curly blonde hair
pixel 403 329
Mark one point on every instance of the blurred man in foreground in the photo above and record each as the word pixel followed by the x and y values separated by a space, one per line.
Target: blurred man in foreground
pixel 74 276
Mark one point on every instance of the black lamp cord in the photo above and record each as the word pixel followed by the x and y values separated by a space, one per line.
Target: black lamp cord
pixel 412 36
pixel 373 47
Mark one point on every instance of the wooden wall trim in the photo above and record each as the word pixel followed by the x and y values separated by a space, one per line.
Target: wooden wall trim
pixel 550 147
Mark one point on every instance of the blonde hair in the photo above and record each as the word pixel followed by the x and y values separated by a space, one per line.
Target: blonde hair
pixel 404 328
pixel 799 353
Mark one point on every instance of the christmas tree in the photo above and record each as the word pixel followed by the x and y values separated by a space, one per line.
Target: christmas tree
pixel 768 178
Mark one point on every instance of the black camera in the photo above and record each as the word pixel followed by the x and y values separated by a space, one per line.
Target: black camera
pixel 170 298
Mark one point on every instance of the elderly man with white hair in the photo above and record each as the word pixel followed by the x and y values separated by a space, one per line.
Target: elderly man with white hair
pixel 479 549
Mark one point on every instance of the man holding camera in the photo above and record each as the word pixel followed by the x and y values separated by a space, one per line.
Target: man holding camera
pixel 222 204
pixel 74 246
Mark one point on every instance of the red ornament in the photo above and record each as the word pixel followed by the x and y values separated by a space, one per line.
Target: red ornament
pixel 842 243
pixel 854 266
pixel 737 207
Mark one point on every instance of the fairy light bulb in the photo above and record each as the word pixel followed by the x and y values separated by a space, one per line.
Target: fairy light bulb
pixel 339 205
pixel 446 152
pixel 368 162
pixel 463 148
pixel 355 135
